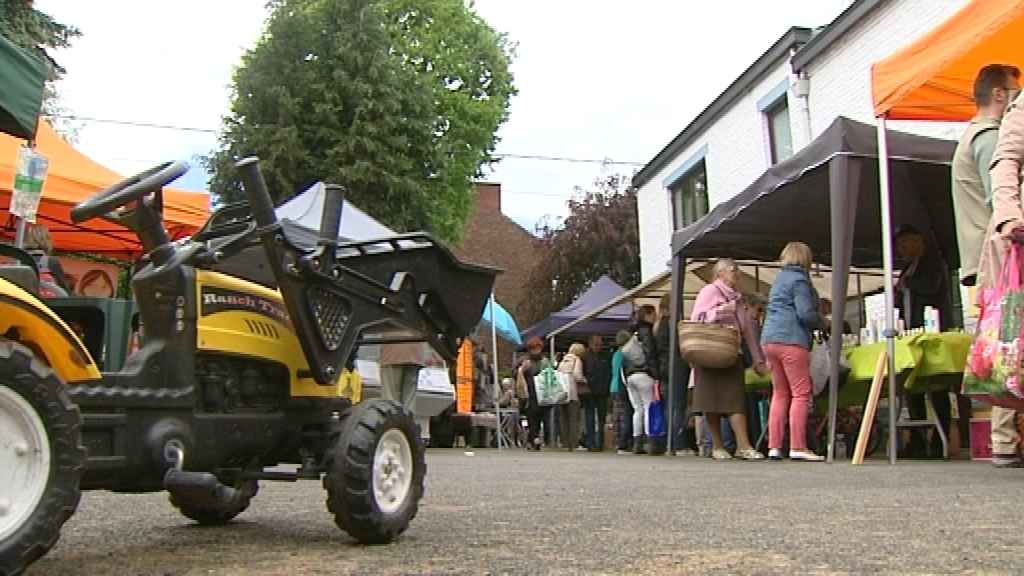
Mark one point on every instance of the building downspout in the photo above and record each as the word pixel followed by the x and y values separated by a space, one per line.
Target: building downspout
pixel 802 89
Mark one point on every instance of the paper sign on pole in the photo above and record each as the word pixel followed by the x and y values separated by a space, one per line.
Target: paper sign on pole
pixel 28 183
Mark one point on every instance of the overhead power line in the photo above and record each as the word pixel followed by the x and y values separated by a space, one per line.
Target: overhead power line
pixel 605 161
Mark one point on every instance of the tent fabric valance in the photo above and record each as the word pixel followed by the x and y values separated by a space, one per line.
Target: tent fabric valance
pixel 73 177
pixel 932 78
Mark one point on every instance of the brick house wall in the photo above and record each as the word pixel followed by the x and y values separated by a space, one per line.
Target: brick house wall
pixel 493 239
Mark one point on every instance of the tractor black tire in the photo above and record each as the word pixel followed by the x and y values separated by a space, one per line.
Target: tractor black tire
pixel 37 393
pixel 207 516
pixel 353 497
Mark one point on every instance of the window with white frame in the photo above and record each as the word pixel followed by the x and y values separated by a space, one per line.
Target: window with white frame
pixel 690 196
pixel 780 135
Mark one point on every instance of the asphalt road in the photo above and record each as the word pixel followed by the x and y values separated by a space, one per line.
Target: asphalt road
pixel 559 513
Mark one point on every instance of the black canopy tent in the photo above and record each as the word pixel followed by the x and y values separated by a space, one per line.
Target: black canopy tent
pixel 827 196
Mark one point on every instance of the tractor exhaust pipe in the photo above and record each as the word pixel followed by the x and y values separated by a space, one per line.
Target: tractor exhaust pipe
pixel 330 219
pixel 256 190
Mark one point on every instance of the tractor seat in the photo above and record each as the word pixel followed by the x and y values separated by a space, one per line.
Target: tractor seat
pixel 21 275
pixel 19 268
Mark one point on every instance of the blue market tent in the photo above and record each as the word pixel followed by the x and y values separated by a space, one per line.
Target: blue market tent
pixel 504 324
pixel 605 323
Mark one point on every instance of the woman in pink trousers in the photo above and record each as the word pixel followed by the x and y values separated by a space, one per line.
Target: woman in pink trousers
pixel 787 338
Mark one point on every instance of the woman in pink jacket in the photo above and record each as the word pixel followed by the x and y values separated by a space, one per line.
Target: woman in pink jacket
pixel 722 391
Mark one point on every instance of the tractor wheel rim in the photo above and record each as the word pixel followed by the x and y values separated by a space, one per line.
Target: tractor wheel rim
pixel 392 471
pixel 24 461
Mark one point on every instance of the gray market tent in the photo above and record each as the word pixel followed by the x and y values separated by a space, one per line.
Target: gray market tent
pixel 300 220
pixel 827 196
pixel 306 208
pixel 607 323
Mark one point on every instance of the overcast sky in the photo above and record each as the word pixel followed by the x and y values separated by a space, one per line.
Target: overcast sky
pixel 598 80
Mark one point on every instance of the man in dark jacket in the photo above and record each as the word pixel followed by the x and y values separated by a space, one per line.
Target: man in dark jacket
pixel 597 368
pixel 924 281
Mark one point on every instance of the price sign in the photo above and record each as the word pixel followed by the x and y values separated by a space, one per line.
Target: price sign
pixel 28 183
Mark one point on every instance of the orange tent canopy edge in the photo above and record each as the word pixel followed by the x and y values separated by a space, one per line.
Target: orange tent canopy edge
pixel 73 177
pixel 932 78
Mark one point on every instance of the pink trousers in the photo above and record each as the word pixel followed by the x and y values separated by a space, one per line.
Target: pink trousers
pixel 791 394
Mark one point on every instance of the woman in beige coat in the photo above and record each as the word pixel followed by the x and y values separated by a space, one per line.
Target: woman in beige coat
pixel 1007 212
pixel 569 413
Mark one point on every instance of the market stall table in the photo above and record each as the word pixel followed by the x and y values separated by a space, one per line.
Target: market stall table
pixel 924 362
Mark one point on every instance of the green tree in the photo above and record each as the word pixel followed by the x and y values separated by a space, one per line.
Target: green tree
pixel 38 33
pixel 599 236
pixel 397 100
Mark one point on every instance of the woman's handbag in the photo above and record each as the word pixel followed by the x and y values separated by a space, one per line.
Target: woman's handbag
pixel 708 345
pixel 820 365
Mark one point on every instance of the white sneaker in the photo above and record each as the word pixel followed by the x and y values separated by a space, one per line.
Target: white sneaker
pixel 805 456
pixel 775 454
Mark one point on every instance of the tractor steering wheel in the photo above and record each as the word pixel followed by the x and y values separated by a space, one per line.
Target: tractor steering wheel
pixel 127 191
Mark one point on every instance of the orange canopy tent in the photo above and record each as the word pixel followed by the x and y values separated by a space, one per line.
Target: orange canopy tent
pixel 932 78
pixel 73 177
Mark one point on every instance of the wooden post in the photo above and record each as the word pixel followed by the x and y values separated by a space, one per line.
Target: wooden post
pixel 869 410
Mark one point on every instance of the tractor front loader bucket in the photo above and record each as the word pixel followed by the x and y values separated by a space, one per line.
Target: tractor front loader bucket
pixel 337 290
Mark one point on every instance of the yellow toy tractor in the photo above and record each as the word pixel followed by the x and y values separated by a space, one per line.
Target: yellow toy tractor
pixel 233 382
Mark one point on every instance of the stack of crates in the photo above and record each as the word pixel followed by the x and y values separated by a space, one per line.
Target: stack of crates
pixel 464 378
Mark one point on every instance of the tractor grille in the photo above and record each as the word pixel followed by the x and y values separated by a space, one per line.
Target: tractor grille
pixel 331 312
pixel 262 328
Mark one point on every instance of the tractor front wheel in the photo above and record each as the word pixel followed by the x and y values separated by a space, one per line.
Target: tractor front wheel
pixel 41 458
pixel 374 479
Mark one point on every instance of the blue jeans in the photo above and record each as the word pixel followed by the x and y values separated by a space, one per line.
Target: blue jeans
pixel 728 439
pixel 595 411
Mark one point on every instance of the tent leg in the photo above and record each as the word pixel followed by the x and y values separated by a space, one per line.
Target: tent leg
pixel 494 371
pixel 673 354
pixel 844 177
pixel 887 259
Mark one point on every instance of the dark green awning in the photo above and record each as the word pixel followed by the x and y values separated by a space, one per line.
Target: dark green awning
pixel 22 77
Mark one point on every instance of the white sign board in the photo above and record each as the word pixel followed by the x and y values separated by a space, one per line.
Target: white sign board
pixel 28 183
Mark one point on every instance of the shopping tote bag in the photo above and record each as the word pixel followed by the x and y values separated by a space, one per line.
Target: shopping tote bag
pixel 993 369
pixel 552 387
pixel 655 420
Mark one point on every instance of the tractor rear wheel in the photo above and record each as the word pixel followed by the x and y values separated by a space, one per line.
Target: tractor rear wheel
pixel 41 458
pixel 374 478
pixel 210 516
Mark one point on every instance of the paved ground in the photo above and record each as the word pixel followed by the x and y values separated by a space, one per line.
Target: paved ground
pixel 559 513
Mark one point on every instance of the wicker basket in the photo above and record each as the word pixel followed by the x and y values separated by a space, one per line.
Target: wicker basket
pixel 708 345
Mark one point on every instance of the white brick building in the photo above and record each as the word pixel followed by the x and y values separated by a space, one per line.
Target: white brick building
pixel 763 117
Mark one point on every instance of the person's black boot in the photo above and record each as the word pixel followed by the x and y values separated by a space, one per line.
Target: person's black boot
pixel 658 446
pixel 640 444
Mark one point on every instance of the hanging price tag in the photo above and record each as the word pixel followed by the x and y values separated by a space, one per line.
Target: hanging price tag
pixel 28 183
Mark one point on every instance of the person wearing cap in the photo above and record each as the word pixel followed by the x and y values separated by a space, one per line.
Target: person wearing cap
pixel 923 281
pixel 994 88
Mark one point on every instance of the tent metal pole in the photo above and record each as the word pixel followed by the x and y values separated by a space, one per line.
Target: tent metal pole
pixel 887 261
pixel 674 309
pixel 494 370
pixel 860 302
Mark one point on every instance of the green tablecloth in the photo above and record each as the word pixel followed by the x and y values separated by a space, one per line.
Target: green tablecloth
pixel 923 361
